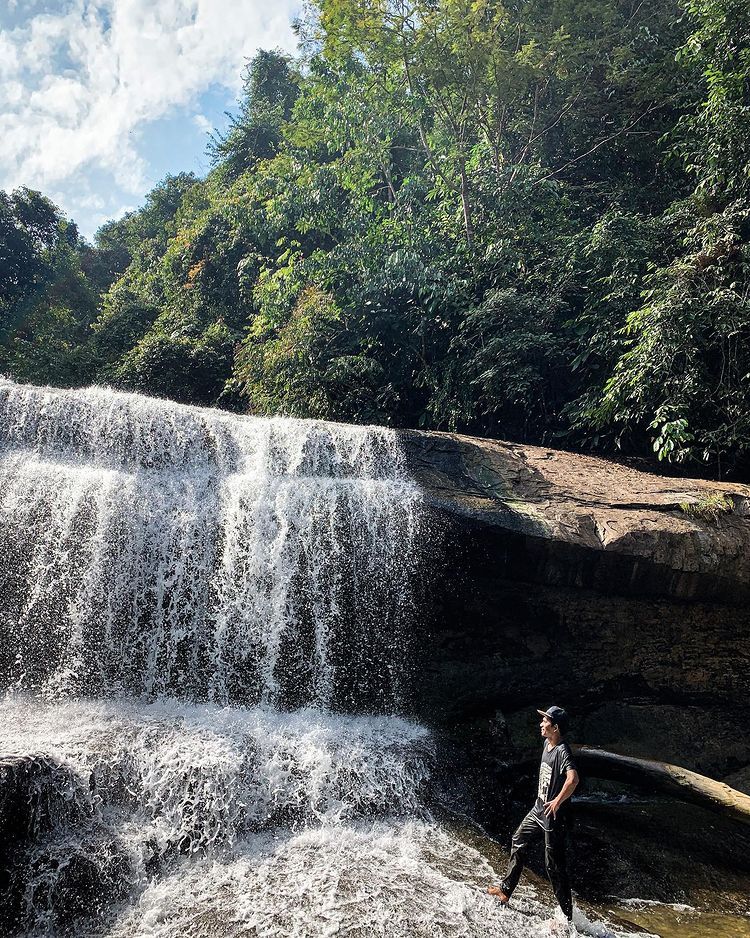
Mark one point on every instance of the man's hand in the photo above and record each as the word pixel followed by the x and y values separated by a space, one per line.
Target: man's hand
pixel 571 782
pixel 551 808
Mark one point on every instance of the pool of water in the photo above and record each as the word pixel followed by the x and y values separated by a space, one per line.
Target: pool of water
pixel 679 921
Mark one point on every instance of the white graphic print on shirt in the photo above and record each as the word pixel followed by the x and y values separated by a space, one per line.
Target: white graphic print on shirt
pixel 545 774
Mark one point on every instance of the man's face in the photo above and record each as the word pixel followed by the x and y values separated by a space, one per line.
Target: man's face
pixel 547 728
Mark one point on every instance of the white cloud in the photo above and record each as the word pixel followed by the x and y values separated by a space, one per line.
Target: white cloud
pixel 9 62
pixel 203 123
pixel 77 84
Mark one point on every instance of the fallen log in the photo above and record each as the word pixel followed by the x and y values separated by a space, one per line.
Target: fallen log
pixel 664 777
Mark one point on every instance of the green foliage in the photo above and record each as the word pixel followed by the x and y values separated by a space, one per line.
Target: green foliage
pixel 255 133
pixel 683 373
pixel 508 350
pixel 184 364
pixel 715 141
pixel 523 220
pixel 284 370
pixel 46 302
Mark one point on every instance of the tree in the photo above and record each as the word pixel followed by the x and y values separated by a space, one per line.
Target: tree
pixel 46 302
pixel 683 378
pixel 511 89
pixel 270 87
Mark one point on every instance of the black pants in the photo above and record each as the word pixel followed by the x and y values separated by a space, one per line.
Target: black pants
pixel 528 833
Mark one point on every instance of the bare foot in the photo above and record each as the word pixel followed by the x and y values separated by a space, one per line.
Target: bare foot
pixel 497 891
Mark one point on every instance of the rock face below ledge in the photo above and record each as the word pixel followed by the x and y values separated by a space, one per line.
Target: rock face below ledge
pixel 584 582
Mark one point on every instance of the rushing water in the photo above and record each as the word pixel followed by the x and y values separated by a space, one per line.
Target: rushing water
pixel 158 549
pixel 206 624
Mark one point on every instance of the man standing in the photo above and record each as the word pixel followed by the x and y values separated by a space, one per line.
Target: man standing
pixel 558 779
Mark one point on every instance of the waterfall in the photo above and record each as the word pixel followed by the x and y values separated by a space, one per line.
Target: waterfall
pixel 161 550
pixel 206 627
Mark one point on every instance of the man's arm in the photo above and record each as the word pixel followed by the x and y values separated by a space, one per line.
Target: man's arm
pixel 571 783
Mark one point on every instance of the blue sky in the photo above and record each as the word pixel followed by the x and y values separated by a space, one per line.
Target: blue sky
pixel 100 99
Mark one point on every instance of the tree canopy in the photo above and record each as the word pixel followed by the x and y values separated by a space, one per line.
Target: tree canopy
pixel 524 219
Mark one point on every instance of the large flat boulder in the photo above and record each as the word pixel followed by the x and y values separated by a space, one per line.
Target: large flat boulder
pixel 696 532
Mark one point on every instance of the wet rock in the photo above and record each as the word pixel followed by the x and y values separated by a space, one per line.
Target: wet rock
pixel 739 779
pixel 703 739
pixel 27 793
pixel 72 880
pixel 67 883
pixel 36 792
pixel 607 515
pixel 660 850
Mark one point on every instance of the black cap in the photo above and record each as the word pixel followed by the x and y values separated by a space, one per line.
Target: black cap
pixel 558 716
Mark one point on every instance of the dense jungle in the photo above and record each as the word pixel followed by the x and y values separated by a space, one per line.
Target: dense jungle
pixel 526 219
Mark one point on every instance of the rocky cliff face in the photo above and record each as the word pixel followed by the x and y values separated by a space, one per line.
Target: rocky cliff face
pixel 619 594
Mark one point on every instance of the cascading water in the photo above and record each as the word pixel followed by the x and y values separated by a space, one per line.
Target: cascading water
pixel 206 623
pixel 158 549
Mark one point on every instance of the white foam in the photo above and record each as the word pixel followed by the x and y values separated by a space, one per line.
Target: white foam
pixel 133 789
pixel 398 880
pixel 204 773
pixel 646 903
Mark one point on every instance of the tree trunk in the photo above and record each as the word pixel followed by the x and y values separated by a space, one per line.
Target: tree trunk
pixel 669 779
pixel 468 220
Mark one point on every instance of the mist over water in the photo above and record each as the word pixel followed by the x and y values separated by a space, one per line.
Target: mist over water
pixel 206 629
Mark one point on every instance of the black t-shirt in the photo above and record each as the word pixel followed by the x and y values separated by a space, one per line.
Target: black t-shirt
pixel 556 763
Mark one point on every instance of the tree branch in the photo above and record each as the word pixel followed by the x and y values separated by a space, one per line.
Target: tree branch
pixel 601 143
